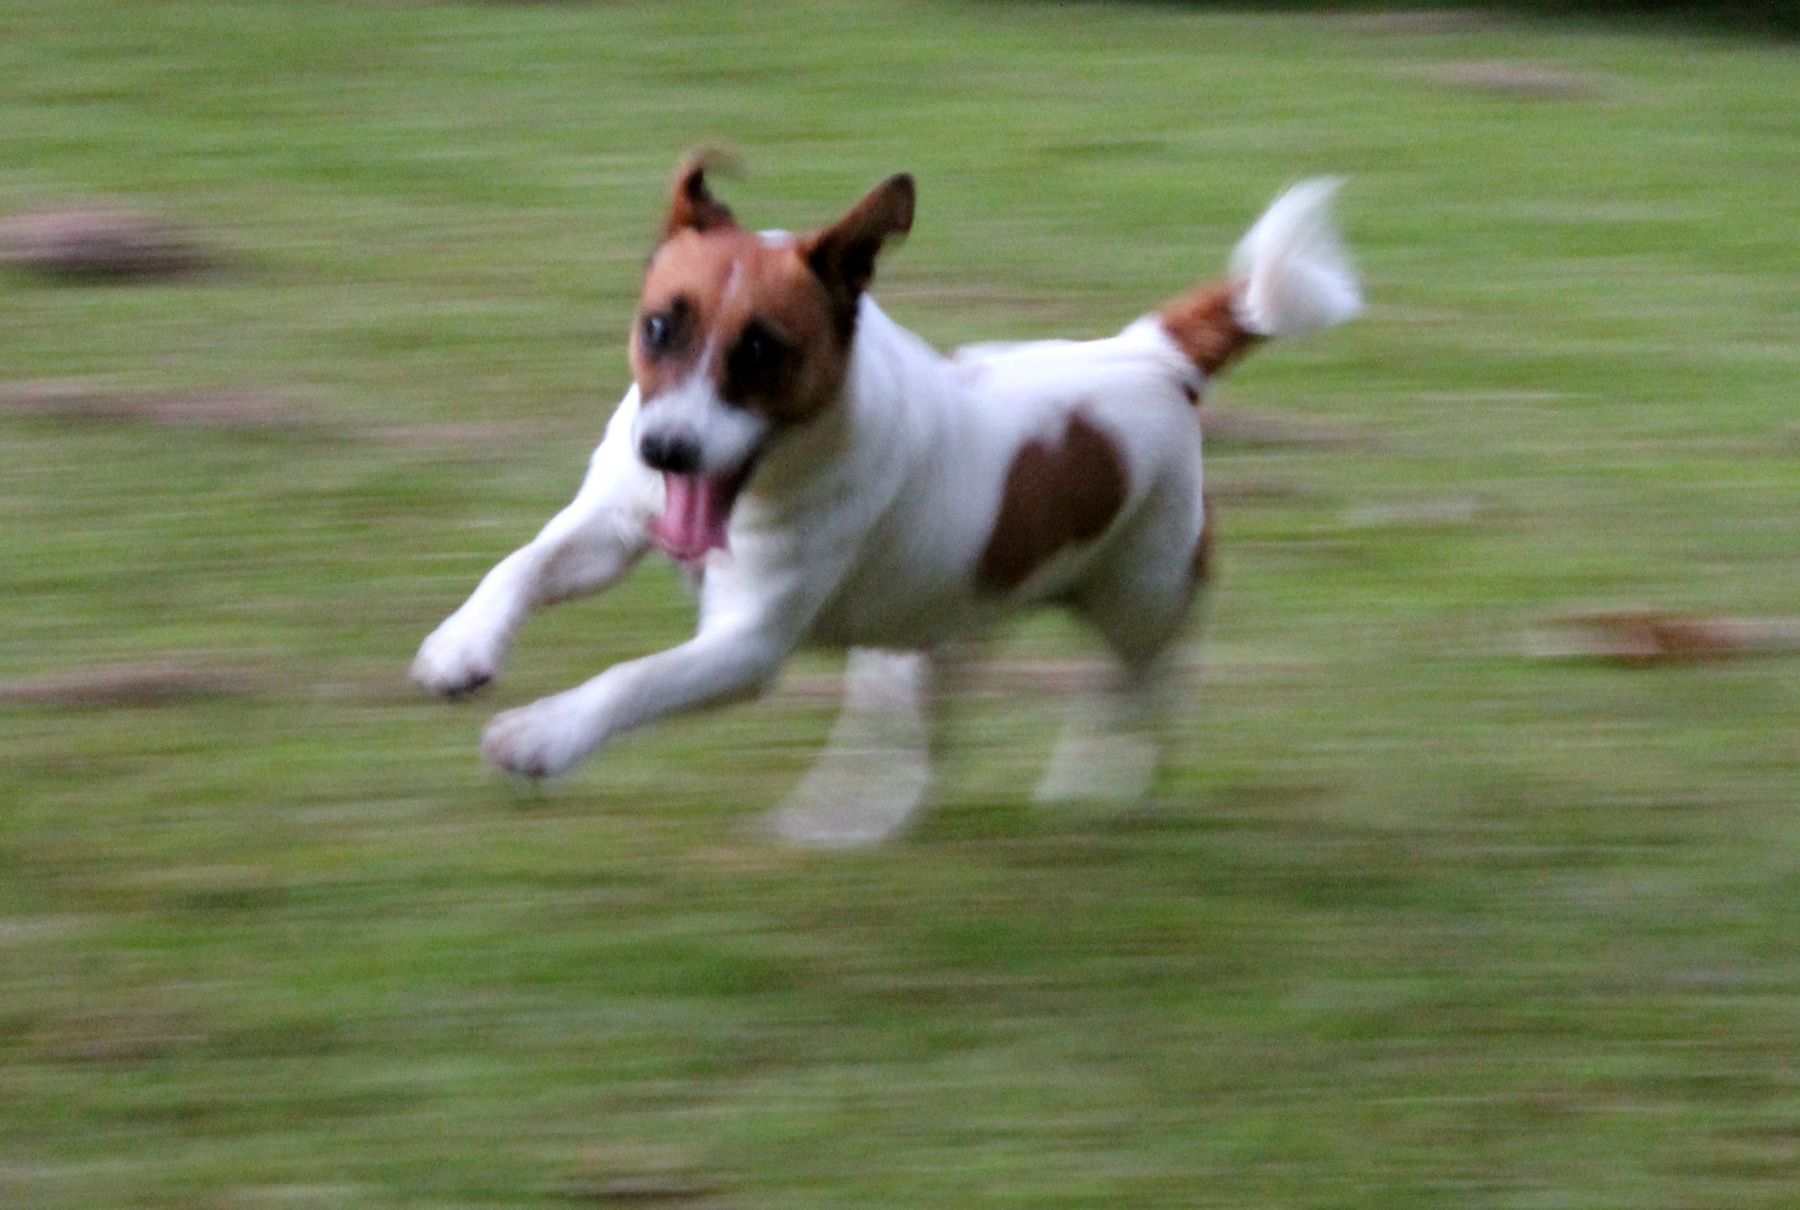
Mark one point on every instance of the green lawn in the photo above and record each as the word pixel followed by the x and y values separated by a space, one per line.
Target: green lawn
pixel 1418 921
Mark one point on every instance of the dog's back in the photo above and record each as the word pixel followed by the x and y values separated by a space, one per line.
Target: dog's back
pixel 1061 470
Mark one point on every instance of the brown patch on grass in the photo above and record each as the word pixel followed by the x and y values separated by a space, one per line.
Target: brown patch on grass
pixel 114 1037
pixel 1252 429
pixel 247 411
pixel 21 930
pixel 638 1190
pixel 1007 680
pixel 210 888
pixel 998 680
pixel 627 1175
pixel 128 685
pixel 253 410
pixel 1421 21
pixel 1505 78
pixel 372 689
pixel 99 244
pixel 1646 637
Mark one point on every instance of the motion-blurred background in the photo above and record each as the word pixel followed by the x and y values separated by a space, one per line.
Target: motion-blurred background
pixel 1474 882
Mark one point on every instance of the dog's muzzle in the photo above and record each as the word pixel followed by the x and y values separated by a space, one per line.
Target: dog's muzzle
pixel 672 451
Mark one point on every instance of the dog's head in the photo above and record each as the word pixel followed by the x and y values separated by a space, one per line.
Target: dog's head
pixel 740 336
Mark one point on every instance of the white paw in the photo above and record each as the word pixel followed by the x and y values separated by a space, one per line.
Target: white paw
pixel 1099 768
pixel 460 656
pixel 841 805
pixel 540 740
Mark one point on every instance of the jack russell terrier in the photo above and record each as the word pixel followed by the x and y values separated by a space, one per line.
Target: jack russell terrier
pixel 830 479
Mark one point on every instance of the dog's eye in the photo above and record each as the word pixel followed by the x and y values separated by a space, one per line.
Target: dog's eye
pixel 657 332
pixel 758 355
pixel 759 350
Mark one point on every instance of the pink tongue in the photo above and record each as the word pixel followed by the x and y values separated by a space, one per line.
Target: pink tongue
pixel 693 517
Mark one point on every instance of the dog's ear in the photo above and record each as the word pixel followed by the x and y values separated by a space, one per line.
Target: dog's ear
pixel 692 207
pixel 843 255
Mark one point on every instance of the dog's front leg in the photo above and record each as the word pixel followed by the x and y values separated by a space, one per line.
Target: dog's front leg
pixel 725 661
pixel 875 771
pixel 586 547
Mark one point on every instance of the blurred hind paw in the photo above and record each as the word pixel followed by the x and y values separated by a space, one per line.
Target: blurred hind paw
pixel 846 804
pixel 1099 767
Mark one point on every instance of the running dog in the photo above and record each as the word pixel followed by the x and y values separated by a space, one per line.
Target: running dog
pixel 829 479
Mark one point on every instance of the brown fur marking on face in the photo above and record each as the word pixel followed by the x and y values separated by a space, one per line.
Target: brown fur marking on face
pixel 721 282
pixel 1206 328
pixel 1202 567
pixel 771 321
pixel 1055 495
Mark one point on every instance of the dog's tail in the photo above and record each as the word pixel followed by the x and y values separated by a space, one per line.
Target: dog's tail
pixel 1289 276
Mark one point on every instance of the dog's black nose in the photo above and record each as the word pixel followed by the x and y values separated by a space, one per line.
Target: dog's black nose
pixel 677 452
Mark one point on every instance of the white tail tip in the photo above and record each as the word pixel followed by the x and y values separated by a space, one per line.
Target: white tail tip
pixel 1292 272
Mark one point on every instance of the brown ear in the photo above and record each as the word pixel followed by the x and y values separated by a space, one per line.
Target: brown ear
pixel 843 255
pixel 692 207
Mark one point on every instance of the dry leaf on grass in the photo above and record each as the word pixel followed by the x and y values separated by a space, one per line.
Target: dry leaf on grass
pixel 99 244
pixel 1644 637
pixel 153 684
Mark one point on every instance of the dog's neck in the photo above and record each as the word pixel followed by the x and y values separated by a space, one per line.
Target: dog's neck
pixel 891 378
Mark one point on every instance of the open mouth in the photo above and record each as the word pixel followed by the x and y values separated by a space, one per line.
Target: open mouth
pixel 695 511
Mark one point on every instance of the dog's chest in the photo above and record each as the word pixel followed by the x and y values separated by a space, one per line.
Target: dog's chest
pixel 913 582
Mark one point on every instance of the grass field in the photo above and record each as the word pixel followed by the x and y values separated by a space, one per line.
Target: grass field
pixel 1418 921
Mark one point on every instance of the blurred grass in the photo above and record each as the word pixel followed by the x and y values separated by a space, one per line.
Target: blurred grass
pixel 1419 922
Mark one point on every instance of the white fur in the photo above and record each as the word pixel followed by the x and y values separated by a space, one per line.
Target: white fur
pixel 876 770
pixel 864 529
pixel 727 436
pixel 1296 278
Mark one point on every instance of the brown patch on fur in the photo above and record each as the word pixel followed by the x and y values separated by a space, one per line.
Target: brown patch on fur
pixel 1055 495
pixel 1202 567
pixel 1206 328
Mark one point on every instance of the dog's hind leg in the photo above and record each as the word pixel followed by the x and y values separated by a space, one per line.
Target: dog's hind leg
pixel 875 772
pixel 586 547
pixel 1111 747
